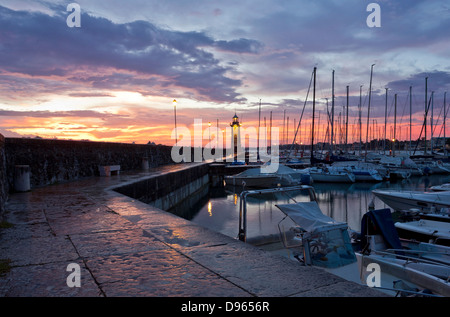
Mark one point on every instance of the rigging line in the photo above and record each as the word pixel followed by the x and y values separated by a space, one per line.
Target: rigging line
pixel 301 116
pixel 423 124
pixel 404 109
pixel 390 108
pixel 436 123
pixel 442 124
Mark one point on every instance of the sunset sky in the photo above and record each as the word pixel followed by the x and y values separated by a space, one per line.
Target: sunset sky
pixel 114 77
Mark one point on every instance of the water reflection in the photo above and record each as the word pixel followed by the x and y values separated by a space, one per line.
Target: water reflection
pixel 218 209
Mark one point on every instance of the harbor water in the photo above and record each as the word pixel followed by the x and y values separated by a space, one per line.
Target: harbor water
pixel 218 208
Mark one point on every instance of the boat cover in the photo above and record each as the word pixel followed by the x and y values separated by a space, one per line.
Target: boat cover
pixel 380 222
pixel 307 215
pixel 326 243
pixel 256 171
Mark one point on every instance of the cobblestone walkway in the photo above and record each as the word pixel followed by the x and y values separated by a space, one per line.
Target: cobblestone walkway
pixel 127 248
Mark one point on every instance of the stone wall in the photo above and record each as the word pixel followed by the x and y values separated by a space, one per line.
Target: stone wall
pixel 53 161
pixel 3 179
pixel 169 189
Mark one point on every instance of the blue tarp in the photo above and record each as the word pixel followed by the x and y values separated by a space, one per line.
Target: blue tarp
pixel 380 222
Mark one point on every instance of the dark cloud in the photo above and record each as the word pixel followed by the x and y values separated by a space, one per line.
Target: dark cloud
pixel 340 26
pixel 88 94
pixel 56 114
pixel 437 81
pixel 41 45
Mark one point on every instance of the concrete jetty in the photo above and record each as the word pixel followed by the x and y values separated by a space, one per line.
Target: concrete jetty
pixel 125 247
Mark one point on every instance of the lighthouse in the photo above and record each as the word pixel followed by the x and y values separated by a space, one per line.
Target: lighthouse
pixel 236 136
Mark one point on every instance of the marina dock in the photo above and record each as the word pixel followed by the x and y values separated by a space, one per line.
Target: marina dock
pixel 125 247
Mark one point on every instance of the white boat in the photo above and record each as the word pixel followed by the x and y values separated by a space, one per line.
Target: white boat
pixel 437 167
pixel 428 251
pixel 261 181
pixel 429 165
pixel 437 232
pixel 408 278
pixel 291 177
pixel 364 172
pixel 252 177
pixel 400 166
pixel 440 188
pixel 407 200
pixel 255 178
pixel 330 175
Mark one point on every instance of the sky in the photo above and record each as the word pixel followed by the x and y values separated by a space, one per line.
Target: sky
pixel 115 76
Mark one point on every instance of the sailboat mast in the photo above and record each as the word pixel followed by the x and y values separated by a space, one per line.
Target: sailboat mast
pixel 445 116
pixel 385 121
pixel 431 121
pixel 270 133
pixel 332 113
pixel 426 110
pixel 314 109
pixel 259 129
pixel 284 127
pixel 395 125
pixel 346 123
pixel 360 122
pixel 410 120
pixel 368 110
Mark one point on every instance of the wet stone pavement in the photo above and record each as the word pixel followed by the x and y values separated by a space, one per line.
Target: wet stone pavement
pixel 127 248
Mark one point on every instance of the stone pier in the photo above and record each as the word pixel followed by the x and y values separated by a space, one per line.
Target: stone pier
pixel 125 247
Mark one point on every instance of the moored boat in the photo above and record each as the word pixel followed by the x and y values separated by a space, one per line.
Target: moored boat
pixel 440 188
pixel 407 200
pixel 437 232
pixel 260 181
pixel 331 175
pixel 364 172
pixel 257 178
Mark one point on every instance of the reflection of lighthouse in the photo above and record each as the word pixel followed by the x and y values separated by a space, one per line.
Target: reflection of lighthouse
pixel 236 138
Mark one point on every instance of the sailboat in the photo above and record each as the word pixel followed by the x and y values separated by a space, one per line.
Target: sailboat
pixel 330 174
pixel 364 172
pixel 252 178
pixel 400 166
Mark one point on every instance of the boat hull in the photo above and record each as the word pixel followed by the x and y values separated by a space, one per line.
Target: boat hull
pixel 257 182
pixel 413 200
pixel 367 177
pixel 332 177
pixel 440 188
pixel 425 230
pixel 398 271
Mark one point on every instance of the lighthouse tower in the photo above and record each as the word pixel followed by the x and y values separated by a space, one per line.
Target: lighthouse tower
pixel 236 137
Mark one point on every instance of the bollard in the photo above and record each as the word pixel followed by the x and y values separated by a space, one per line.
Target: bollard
pixel 22 178
pixel 145 163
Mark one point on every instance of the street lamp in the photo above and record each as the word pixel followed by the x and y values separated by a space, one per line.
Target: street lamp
pixel 209 135
pixel 175 114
